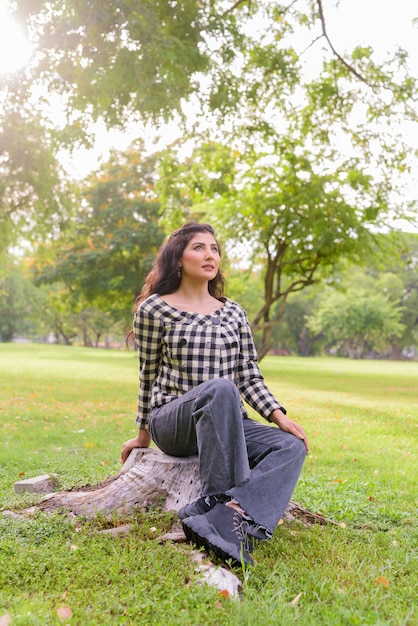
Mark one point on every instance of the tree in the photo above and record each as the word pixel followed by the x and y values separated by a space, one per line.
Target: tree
pixel 357 322
pixel 109 248
pixel 35 200
pixel 20 302
pixel 296 214
pixel 293 335
pixel 395 275
pixel 305 175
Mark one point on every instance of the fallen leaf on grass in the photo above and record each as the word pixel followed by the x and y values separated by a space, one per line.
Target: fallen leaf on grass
pixel 64 612
pixel 381 580
pixel 296 599
pixel 5 619
pixel 224 593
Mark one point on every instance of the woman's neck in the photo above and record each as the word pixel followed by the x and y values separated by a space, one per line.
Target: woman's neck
pixel 194 299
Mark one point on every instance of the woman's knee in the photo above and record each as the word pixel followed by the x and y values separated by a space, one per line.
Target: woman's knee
pixel 281 439
pixel 300 446
pixel 220 387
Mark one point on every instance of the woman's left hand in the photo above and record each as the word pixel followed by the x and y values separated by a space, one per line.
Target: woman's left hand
pixel 285 423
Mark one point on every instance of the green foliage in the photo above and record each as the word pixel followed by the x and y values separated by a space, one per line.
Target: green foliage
pixel 109 249
pixel 34 198
pixel 20 302
pixel 403 268
pixel 298 221
pixel 133 57
pixel 373 310
pixel 293 335
pixel 357 322
pixel 303 166
pixel 71 319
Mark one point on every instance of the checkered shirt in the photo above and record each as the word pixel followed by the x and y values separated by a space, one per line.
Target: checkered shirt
pixel 178 350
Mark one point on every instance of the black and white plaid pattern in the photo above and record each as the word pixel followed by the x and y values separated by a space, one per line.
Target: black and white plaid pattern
pixel 179 350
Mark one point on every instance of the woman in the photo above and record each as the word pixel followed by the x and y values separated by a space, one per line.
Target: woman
pixel 197 360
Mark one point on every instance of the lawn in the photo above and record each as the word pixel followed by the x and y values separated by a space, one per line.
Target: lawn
pixel 67 410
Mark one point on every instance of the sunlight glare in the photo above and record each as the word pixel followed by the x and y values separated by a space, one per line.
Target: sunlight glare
pixel 15 49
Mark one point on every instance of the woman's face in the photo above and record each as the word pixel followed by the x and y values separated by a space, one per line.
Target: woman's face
pixel 200 259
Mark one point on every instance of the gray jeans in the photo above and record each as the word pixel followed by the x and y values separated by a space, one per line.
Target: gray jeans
pixel 256 464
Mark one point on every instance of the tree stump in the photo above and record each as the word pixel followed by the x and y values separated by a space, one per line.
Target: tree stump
pixel 147 478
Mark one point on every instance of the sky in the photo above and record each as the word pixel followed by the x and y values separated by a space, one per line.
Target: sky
pixel 384 24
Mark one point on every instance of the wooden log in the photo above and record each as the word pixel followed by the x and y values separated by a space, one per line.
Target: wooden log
pixel 147 478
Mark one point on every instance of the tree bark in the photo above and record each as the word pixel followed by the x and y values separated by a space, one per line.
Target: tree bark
pixel 147 478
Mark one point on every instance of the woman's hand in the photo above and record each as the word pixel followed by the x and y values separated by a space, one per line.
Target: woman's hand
pixel 142 440
pixel 285 423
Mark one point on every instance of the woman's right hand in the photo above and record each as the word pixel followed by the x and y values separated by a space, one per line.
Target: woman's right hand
pixel 142 440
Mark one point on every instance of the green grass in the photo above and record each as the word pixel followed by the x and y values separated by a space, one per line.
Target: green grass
pixel 67 411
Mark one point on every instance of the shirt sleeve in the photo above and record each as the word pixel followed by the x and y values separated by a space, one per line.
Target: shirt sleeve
pixel 148 329
pixel 248 377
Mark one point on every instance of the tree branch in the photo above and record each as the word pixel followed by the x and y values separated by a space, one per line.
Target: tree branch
pixel 349 67
pixel 235 5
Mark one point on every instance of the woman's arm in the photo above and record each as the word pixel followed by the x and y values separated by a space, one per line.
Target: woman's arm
pixel 148 332
pixel 248 377
pixel 251 384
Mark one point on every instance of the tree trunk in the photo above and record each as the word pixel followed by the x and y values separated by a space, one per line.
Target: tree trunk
pixel 396 353
pixel 147 478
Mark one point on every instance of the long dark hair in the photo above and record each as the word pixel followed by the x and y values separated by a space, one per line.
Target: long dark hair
pixel 164 276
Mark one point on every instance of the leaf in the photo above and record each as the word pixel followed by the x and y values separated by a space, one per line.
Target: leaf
pixel 296 598
pixel 5 619
pixel 224 593
pixel 381 580
pixel 64 612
